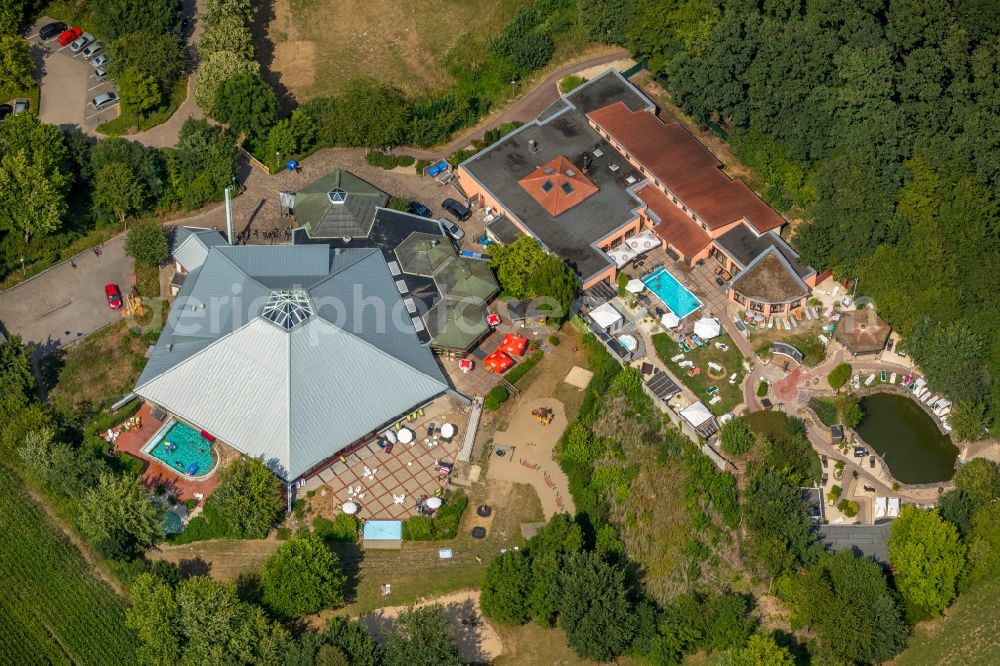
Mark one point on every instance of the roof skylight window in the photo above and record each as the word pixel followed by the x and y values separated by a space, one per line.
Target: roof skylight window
pixel 567 188
pixel 337 196
pixel 287 308
pixel 547 186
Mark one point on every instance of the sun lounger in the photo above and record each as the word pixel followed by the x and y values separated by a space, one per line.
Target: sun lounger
pixel 712 390
pixel 715 366
pixel 929 399
pixel 824 340
pixel 869 379
pixel 716 400
pixel 676 357
pixel 893 509
pixel 881 506
pixel 892 378
pixel 787 325
pixel 794 322
pixel 882 376
pixel 685 364
pixel 732 378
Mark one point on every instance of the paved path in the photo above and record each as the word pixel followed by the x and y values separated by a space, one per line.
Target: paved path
pixel 67 302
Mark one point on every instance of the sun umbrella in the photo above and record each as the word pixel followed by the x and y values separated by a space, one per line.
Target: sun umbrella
pixel 349 507
pixel 706 328
pixel 391 436
pixel 635 286
pixel 405 435
pixel 669 320
pixel 433 502
pixel 447 430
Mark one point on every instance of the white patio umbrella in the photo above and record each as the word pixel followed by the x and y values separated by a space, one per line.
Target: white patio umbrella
pixel 433 502
pixel 447 430
pixel 634 286
pixel 669 320
pixel 706 328
pixel 405 435
pixel 349 507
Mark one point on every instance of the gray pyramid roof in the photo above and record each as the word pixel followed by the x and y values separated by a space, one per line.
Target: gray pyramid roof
pixel 338 205
pixel 293 395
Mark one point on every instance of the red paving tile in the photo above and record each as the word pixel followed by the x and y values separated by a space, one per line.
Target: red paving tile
pixel 155 473
pixel 786 389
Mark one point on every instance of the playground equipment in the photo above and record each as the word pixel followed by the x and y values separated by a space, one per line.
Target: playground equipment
pixel 543 415
pixel 133 304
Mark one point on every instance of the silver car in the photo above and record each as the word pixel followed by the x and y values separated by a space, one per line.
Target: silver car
pixel 81 42
pixel 93 49
pixel 104 100
pixel 452 229
pixel 100 61
pixel 100 73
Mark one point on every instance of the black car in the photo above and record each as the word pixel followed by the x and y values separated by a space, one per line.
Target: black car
pixel 459 210
pixel 719 281
pixel 418 208
pixel 5 110
pixel 51 30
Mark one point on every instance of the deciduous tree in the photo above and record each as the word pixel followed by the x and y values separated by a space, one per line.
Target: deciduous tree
pixel 594 609
pixel 114 18
pixel 248 498
pixel 214 70
pixel 760 650
pixel 119 517
pixel 118 191
pixel 928 558
pixel 506 588
pixel 736 437
pixel 147 243
pixel 17 70
pixel 247 103
pixel 423 637
pixel 302 577
pixel 160 55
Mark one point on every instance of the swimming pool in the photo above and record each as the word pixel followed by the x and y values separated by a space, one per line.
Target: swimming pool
pixel 181 448
pixel 673 294
pixel 628 342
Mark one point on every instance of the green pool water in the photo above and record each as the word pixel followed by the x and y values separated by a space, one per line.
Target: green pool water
pixel 907 438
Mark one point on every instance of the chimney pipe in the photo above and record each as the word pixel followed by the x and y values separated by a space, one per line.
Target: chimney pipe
pixel 229 217
pixel 586 163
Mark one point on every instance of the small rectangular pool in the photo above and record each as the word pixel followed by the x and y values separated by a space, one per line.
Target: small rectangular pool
pixel 181 448
pixel 383 530
pixel 673 294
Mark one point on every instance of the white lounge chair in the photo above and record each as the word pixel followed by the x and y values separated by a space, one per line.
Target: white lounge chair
pixel 685 364
pixel 824 340
pixel 869 379
pixel 732 378
pixel 715 400
pixel 676 357
pixel 893 509
pixel 715 366
pixel 880 507
pixel 892 378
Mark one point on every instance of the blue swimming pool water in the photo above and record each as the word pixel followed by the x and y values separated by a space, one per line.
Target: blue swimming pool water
pixel 391 530
pixel 180 446
pixel 673 294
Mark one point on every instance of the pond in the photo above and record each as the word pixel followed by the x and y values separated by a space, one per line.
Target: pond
pixel 907 438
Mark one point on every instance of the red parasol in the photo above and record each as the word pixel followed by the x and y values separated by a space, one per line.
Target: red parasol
pixel 498 362
pixel 493 319
pixel 513 344
pixel 465 364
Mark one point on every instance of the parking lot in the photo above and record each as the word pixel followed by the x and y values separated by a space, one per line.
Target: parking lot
pixel 67 85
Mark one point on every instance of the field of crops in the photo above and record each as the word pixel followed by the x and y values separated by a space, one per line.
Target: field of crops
pixel 52 610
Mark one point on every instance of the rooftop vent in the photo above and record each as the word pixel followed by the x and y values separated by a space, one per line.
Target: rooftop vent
pixel 337 196
pixel 549 171
pixel 598 152
pixel 630 180
pixel 571 173
pixel 613 167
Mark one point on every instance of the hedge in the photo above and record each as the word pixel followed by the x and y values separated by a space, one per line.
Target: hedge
pixel 342 528
pixel 522 368
pixel 496 397
pixel 839 375
pixel 443 526
pixel 389 161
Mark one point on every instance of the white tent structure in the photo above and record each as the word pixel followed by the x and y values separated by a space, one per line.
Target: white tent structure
pixel 644 242
pixel 669 320
pixel 607 317
pixel 635 286
pixel 696 414
pixel 706 328
pixel 622 254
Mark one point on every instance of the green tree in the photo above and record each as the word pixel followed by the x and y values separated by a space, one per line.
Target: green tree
pixel 154 617
pixel 203 165
pixel 302 577
pixel 118 190
pixel 849 410
pixel 970 420
pixel 736 437
pixel 369 114
pixel 147 243
pixel 549 550
pixel 16 377
pixel 226 32
pixel 980 480
pixel 354 641
pixel 160 55
pixel 839 375
pixel 956 507
pixel 984 543
pixel 247 104
pixel 31 204
pixel 214 71
pixel 848 605
pixel 119 517
pixel 606 21
pixel 760 650
pixel 139 92
pixel 423 638
pixel 17 70
pixel 12 16
pixel 928 558
pixel 114 18
pixel 248 498
pixel 594 609
pixel 506 587
pixel 555 283
pixel 781 534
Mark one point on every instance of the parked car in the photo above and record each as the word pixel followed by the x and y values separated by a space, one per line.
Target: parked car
pixel 93 50
pixel 80 42
pixel 104 100
pixel 459 210
pixel 114 296
pixel 418 208
pixel 68 35
pixel 5 110
pixel 452 229
pixel 100 61
pixel 50 30
pixel 860 452
pixel 719 281
pixel 100 73
pixel 21 105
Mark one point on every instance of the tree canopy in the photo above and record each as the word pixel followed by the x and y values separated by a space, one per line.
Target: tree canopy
pixel 114 18
pixel 247 103
pixel 928 558
pixel 17 70
pixel 301 577
pixel 423 638
pixel 248 498
pixel 119 517
pixel 146 242
pixel 594 609
pixel 525 270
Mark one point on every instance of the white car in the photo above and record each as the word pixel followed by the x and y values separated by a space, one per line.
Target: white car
pixel 80 42
pixel 104 100
pixel 93 49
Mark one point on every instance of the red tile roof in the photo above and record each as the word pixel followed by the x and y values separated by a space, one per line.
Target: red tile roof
pixel 674 227
pixel 685 167
pixel 558 185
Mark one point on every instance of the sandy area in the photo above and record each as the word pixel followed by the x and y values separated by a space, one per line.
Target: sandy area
pixel 528 455
pixel 478 641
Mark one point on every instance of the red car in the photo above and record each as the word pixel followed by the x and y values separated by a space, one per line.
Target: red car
pixel 114 296
pixel 69 34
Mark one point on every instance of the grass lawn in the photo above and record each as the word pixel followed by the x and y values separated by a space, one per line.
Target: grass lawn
pixel 54 610
pixel 731 361
pixel 968 634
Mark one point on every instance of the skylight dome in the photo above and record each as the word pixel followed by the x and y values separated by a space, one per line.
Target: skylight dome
pixel 337 196
pixel 287 308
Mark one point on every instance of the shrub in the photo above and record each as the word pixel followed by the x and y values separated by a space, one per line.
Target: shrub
pixel 443 526
pixel 570 82
pixel 835 493
pixel 388 161
pixel 839 375
pixel 736 437
pixel 342 528
pixel 848 507
pixel 761 389
pixel 146 242
pixel 554 340
pixel 418 528
pixel 522 368
pixel 496 397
